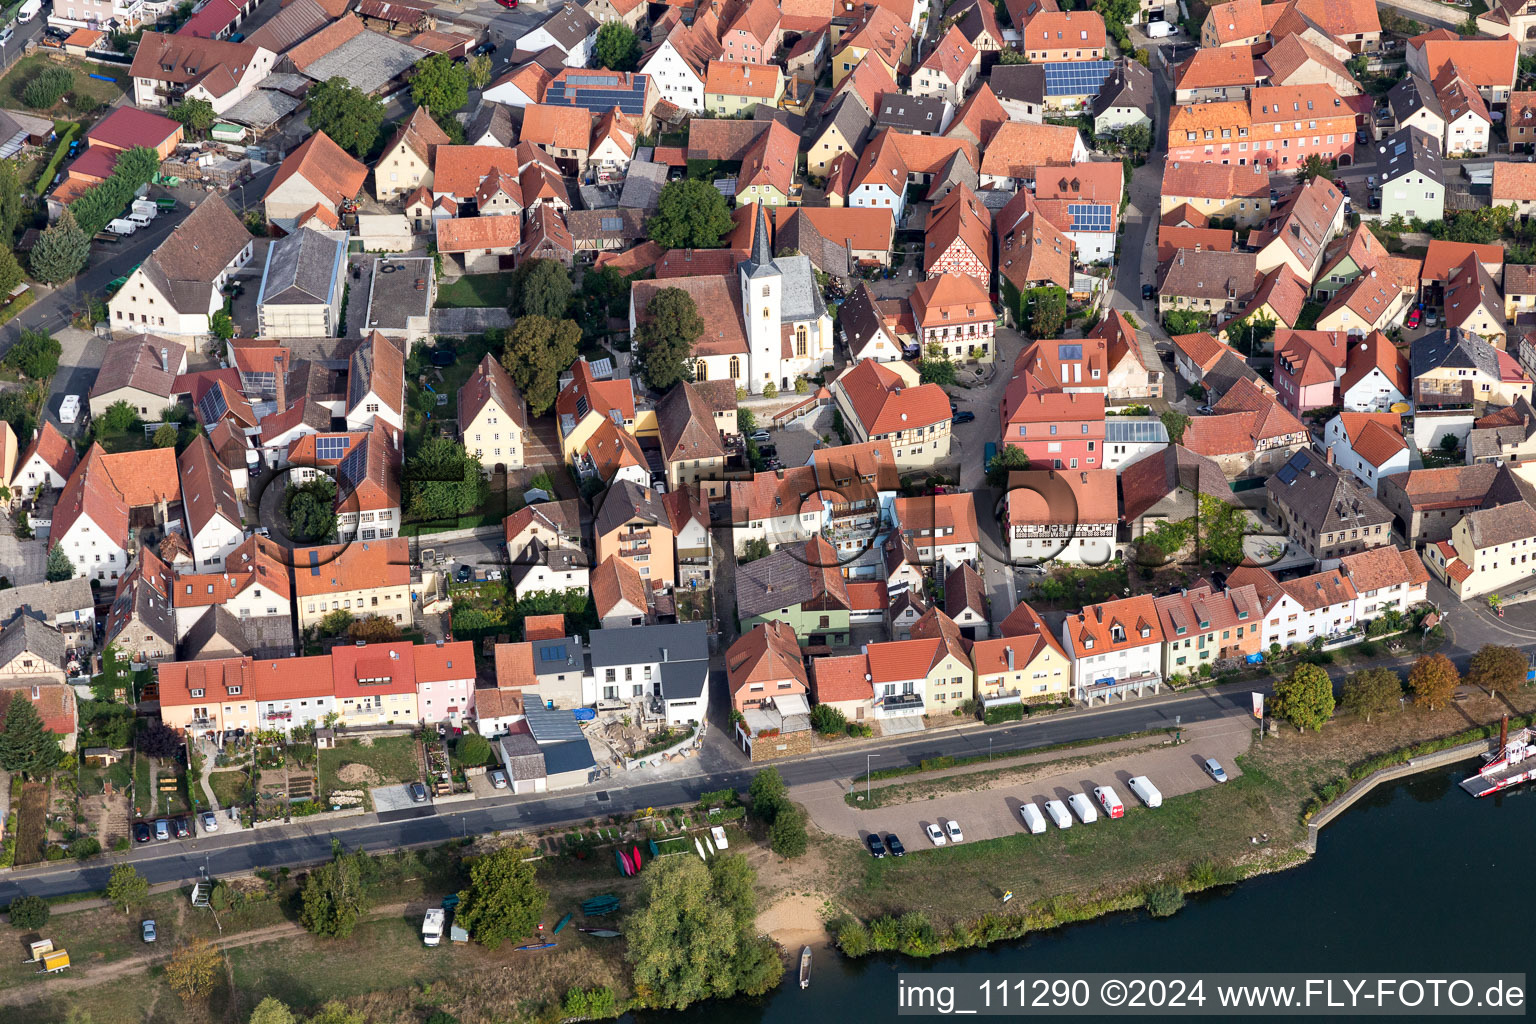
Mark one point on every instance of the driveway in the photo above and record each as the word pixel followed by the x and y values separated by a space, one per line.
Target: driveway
pixel 393 798
pixel 988 813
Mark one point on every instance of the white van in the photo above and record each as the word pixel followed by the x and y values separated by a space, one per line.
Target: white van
pixel 122 226
pixel 1033 819
pixel 1159 29
pixel 1058 812
pixel 1146 792
pixel 69 409
pixel 1110 801
pixel 140 218
pixel 1083 808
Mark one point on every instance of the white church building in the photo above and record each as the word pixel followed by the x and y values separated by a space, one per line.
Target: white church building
pixel 766 324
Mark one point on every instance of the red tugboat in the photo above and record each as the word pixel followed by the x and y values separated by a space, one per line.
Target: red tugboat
pixel 1513 763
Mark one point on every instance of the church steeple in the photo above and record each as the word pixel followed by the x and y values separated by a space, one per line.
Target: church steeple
pixel 762 252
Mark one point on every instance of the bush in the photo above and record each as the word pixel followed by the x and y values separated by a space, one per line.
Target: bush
pixel 1164 900
pixel 1003 713
pixel 54 853
pixel 473 750
pixel 852 937
pixel 29 912
pixel 827 720
pixel 86 846
pixel 47 88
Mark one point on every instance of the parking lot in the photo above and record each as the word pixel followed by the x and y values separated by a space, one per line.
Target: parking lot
pixel 993 811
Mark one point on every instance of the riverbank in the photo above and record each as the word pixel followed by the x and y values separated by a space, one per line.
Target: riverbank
pixel 937 900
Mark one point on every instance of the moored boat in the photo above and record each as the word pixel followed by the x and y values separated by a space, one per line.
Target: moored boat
pixel 1512 763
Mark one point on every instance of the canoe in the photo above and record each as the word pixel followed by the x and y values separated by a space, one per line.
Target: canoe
pixel 623 862
pixel 563 922
pixel 805 967
pixel 601 933
pixel 709 847
pixel 535 946
pixel 700 847
pixel 635 858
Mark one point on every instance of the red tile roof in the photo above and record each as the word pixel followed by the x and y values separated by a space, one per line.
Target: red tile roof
pixel 842 678
pixel 326 166
pixel 885 404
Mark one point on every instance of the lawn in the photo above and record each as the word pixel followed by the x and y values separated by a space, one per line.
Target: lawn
pixel 15 83
pixel 228 787
pixel 393 759
pixel 131 440
pixel 476 291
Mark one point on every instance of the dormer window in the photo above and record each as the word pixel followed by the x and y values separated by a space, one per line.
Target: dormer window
pixel 1178 630
pixel 197 693
pixel 234 691
pixel 1205 623
pixel 1242 615
pixel 1088 644
pixel 1146 631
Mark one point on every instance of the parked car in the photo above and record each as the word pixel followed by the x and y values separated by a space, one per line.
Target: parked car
pixel 1375 202
pixel 1415 316
pixel 140 832
pixel 876 847
pixel 953 828
pixel 761 435
pixel 183 828
pixel 1431 318
pixel 1148 292
pixel 1361 138
pixel 1058 812
pixel 465 574
pixel 893 845
pixel 498 778
pixel 149 930
pixel 1214 770
pixel 768 451
pixel 210 821
pixel 935 834
pixel 162 830
pixel 964 416
pixel 1083 808
pixel 418 793
pixel 1033 819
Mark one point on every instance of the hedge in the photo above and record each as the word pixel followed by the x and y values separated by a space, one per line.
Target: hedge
pixel 45 182
pixel 1003 713
pixel 99 204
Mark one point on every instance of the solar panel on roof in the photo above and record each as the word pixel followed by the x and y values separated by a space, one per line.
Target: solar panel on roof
pixel 1077 78
pixel 1287 474
pixel 330 447
pixel 1298 460
pixel 612 223
pixel 1090 216
pixel 1069 351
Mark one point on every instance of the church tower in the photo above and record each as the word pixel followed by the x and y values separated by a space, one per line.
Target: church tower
pixel 762 293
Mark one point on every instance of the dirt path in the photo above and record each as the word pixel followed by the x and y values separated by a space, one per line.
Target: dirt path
pixel 89 977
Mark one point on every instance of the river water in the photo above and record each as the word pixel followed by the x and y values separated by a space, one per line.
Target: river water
pixel 1418 877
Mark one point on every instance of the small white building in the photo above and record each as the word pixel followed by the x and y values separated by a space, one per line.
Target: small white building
pixel 214 520
pixel 179 287
pixel 1116 649
pixel 665 666
pixel 1368 444
pixel 570 30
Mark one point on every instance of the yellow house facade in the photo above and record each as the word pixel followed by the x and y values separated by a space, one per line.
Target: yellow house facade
pixel 1032 668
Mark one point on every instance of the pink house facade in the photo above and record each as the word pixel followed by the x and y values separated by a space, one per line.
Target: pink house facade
pixel 445 682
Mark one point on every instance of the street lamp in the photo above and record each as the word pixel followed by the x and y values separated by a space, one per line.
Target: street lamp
pixel 867 758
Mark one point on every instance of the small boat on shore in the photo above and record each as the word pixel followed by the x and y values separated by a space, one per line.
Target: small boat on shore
pixel 535 946
pixel 805 967
pixel 601 933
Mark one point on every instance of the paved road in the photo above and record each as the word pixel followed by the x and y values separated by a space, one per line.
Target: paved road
pixel 300 843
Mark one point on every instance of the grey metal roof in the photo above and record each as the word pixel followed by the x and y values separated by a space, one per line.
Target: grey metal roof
pixel 666 643
pixel 50 600
pixel 684 680
pixel 262 108
pixel 551 725
pixel 302 267
pixel 31 635
pixel 802 299
pixel 570 756
pixel 626 501
pixel 1021 83
pixel 551 657
pixel 643 182
pixel 369 60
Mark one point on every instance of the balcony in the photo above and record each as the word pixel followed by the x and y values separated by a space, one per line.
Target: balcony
pixel 202 724
pixel 898 705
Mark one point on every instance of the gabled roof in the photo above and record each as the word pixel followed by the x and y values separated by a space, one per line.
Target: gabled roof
pixel 489 383
pixel 469 234
pixel 734 78
pixel 185 265
pixel 885 404
pixel 1018 148
pixel 1150 480
pixel 1219 66
pixel 558 126
pixel 841 678
pixel 1323 499
pixel 959 216
pixel 980 116
pixel 1113 626
pixel 1503 524
pixel 1190 180
pixel 687 426
pixel 1374 436
pixel 614 582
pixel 330 169
pixel 52 447
pixel 127 127
pixel 1376 352
pixel 136 362
pixel 1054 496
pixel 377 367
pixel 206 489
pixel 628 501
pixel 420 134
pixel 767 653
pixel 952 56
pixel 215 64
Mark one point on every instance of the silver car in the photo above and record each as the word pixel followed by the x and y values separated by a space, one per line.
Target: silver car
pixel 210 821
pixel 149 930
pixel 1214 770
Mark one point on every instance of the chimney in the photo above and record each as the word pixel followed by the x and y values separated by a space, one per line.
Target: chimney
pixel 663 655
pixel 1008 654
pixel 282 381
pixel 1329 456
pixel 1503 732
pixel 165 359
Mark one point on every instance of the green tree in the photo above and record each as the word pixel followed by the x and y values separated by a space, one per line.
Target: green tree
pixel 348 115
pixel 126 886
pixel 787 836
pixel 334 898
pixel 61 251
pixel 504 899
pixel 480 70
pixel 1043 311
pixel 754 549
pixel 26 745
pixel 541 288
pixel 689 214
pixel 664 342
pixel 473 749
pixel 374 629
pixel 1183 321
pixel 272 1010
pixel 1008 55
pixel 937 368
pixel 1304 698
pixel 221 325
pixel 828 720
pixel 1175 423
pixel 99 204
pixel 1497 669
pixel 11 208
pixel 537 351
pixel 35 354
pixel 442 481
pixel 440 84
pixel 47 87
pixel 311 510
pixel 335 622
pixel 117 418
pixel 746 422
pixel 194 969
pixel 336 1012
pixel 1372 691
pixel 59 565
pixel 693 936
pixel 768 794
pixel 1222 528
pixel 1315 166
pixel 29 912
pixel 1136 138
pixel 1433 680
pixel 616 48
pixel 11 273
pixel 1007 460
pixel 195 116
pixel 16 408
pixel 165 436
